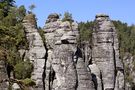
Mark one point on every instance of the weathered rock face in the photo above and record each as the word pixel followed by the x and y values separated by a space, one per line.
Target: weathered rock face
pixel 87 52
pixel 107 68
pixel 36 52
pixel 84 77
pixel 3 76
pixel 65 68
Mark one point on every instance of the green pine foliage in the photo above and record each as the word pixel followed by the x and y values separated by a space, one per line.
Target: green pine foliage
pixel 126 36
pixel 12 38
pixel 41 32
pixel 31 18
pixel 28 82
pixel 31 7
pixel 85 31
pixel 23 70
pixel 67 17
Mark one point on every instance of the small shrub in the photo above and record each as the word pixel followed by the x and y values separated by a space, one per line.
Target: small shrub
pixel 67 17
pixel 31 18
pixel 23 70
pixel 3 54
pixel 28 82
pixel 41 32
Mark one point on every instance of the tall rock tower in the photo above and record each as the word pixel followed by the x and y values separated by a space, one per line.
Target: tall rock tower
pixel 107 68
pixel 36 50
pixel 65 68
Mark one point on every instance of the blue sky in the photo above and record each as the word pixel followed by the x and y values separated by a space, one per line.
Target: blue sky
pixel 83 10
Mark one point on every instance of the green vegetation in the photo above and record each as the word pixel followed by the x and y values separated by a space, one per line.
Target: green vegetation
pixel 28 82
pixel 31 7
pixel 31 19
pixel 3 53
pixel 12 35
pixel 67 17
pixel 12 39
pixel 23 70
pixel 126 36
pixel 41 32
pixel 85 31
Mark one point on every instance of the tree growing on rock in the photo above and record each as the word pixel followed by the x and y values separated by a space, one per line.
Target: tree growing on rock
pixel 67 17
pixel 31 8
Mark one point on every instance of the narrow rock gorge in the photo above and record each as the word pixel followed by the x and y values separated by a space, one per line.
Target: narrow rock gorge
pixel 59 63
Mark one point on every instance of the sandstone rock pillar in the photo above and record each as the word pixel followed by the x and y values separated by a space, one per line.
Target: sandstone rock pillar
pixel 36 52
pixel 105 52
pixel 65 67
pixel 61 44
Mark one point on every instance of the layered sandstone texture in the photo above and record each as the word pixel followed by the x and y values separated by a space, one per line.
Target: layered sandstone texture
pixel 65 68
pixel 106 68
pixel 36 50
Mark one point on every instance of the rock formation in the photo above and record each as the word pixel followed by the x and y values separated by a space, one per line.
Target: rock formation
pixel 3 76
pixel 60 64
pixel 107 68
pixel 3 71
pixel 65 68
pixel 36 52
